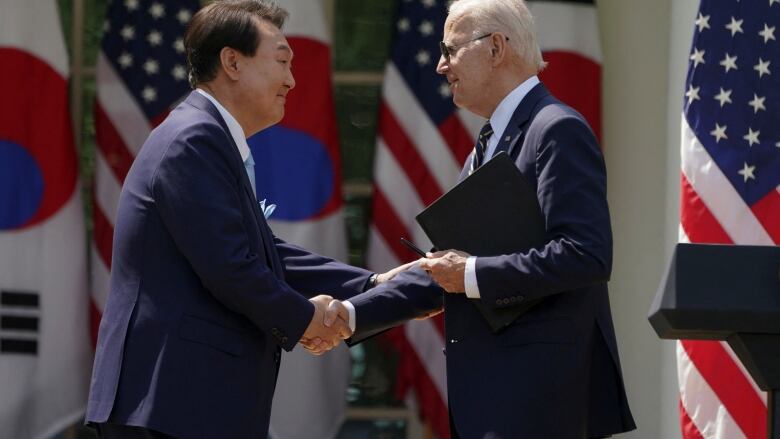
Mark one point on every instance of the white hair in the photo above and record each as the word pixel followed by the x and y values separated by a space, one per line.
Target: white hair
pixel 510 17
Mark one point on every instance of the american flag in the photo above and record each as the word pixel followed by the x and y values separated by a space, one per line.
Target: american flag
pixel 141 76
pixel 423 141
pixel 730 193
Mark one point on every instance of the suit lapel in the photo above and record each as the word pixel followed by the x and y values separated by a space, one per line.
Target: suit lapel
pixel 199 101
pixel 515 130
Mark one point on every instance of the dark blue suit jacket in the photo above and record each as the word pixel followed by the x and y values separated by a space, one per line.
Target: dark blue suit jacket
pixel 555 372
pixel 203 296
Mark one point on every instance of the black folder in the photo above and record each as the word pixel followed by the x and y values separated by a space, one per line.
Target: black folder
pixel 493 211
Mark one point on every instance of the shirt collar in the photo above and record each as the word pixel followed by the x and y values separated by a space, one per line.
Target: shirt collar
pixel 236 132
pixel 503 113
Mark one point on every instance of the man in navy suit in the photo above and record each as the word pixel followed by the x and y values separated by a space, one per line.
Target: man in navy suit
pixel 203 295
pixel 555 371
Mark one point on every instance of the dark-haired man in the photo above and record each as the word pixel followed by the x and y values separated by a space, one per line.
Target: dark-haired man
pixel 203 296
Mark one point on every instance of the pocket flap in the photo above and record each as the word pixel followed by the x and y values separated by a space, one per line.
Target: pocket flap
pixel 558 330
pixel 202 331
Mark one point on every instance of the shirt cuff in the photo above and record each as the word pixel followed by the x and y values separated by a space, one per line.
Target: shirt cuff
pixel 351 309
pixel 470 278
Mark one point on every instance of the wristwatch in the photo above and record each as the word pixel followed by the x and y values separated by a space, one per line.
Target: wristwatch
pixel 372 280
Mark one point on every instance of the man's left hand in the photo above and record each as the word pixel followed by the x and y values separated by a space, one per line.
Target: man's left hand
pixel 447 268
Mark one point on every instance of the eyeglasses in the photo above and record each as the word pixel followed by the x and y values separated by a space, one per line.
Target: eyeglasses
pixel 447 51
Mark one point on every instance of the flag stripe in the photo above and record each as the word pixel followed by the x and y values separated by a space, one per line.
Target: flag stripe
pixel 709 418
pixel 716 191
pixel 120 107
pixel 689 429
pixel 391 227
pixel 408 157
pixel 419 128
pixel 111 145
pixel 103 235
pixel 729 385
pixel 696 219
pixel 767 211
pixel 404 199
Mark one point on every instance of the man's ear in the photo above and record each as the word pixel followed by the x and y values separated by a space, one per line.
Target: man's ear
pixel 498 48
pixel 228 60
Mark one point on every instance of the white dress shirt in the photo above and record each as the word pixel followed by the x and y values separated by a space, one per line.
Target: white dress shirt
pixel 498 121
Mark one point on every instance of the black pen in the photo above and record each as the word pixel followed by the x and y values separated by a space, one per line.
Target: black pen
pixel 412 247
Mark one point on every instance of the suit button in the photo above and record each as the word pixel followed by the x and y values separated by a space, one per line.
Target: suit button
pixel 284 339
pixel 453 341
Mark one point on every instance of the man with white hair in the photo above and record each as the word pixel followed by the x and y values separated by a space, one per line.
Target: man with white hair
pixel 554 372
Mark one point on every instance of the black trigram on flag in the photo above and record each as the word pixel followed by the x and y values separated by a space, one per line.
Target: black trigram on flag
pixel 19 322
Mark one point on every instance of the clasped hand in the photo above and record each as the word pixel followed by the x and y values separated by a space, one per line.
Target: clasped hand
pixel 329 325
pixel 447 268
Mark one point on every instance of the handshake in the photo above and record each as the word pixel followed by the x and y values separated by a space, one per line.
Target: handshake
pixel 329 325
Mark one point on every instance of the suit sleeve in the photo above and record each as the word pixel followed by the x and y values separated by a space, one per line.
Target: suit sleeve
pixel 409 295
pixel 312 274
pixel 197 195
pixel 571 188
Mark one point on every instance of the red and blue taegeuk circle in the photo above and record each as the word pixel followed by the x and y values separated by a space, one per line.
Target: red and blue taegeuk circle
pixel 38 163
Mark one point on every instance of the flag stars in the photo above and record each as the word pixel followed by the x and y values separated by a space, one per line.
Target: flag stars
pixel 768 33
pixel 151 67
pixel 762 67
pixel 724 97
pixel 757 103
pixel 697 57
pixel 157 11
pixel 125 60
pixel 692 94
pixel 127 33
pixel 149 94
pixel 752 137
pixel 184 16
pixel 729 62
pixel 178 45
pixel 179 72
pixel 154 38
pixel 444 90
pixel 404 25
pixel 429 3
pixel 426 28
pixel 703 22
pixel 735 26
pixel 423 57
pixel 131 5
pixel 747 172
pixel 719 132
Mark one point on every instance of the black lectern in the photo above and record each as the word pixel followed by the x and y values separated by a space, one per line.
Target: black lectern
pixel 732 293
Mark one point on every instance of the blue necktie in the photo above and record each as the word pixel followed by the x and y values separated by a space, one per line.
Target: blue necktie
pixel 249 164
pixel 481 147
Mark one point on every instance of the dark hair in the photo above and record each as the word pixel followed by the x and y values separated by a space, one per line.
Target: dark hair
pixel 225 23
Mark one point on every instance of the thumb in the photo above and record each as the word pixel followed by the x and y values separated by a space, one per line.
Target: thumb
pixel 332 312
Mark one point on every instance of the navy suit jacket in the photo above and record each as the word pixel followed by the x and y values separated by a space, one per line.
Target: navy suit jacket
pixel 554 372
pixel 203 296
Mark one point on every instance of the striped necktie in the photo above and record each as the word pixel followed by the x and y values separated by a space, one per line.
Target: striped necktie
pixel 481 147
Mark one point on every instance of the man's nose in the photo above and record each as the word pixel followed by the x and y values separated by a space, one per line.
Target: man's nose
pixel 290 82
pixel 443 66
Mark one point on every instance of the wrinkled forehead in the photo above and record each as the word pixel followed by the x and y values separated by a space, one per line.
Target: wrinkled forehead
pixel 458 25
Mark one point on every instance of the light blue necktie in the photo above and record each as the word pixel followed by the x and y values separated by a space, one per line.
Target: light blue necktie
pixel 249 164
